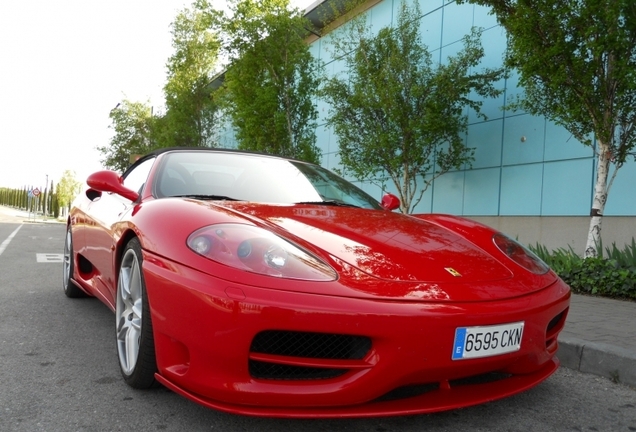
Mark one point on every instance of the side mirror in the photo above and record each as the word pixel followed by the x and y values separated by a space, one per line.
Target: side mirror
pixel 110 181
pixel 390 202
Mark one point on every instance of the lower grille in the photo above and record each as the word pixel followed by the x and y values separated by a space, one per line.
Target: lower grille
pixel 480 379
pixel 406 392
pixel 304 345
pixel 554 327
pixel 413 390
pixel 273 371
pixel 554 322
pixel 311 345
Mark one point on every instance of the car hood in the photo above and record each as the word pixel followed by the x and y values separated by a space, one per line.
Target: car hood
pixel 387 246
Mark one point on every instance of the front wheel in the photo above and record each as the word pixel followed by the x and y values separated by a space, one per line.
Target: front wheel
pixel 135 343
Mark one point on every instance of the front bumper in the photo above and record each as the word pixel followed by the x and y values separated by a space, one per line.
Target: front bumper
pixel 204 328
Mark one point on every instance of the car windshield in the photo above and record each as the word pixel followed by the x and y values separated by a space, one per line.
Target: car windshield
pixel 218 175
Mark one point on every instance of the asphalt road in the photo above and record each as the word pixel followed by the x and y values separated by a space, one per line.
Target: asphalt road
pixel 59 371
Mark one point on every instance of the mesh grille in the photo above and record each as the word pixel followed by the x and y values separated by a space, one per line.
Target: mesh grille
pixel 554 321
pixel 274 371
pixel 311 345
pixel 306 345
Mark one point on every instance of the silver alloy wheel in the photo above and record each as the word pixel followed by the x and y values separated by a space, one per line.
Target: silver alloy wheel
pixel 66 272
pixel 129 311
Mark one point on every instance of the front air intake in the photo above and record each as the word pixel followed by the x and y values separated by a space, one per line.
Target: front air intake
pixel 311 345
pixel 291 355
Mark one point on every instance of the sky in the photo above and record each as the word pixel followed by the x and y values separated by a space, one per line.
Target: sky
pixel 64 65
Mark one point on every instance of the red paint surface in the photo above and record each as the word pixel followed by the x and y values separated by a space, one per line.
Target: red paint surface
pixel 393 286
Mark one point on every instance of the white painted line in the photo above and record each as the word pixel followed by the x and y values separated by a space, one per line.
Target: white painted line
pixel 5 243
pixel 49 257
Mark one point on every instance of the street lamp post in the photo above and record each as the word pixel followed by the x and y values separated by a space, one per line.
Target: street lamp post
pixel 46 195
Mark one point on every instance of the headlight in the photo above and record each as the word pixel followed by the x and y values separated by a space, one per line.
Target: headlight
pixel 519 254
pixel 256 250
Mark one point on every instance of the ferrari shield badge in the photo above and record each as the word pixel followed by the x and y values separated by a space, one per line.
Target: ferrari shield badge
pixel 453 271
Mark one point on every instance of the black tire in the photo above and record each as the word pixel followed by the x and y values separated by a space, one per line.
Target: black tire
pixel 68 269
pixel 135 342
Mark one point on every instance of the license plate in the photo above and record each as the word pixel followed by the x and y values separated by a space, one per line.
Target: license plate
pixel 485 341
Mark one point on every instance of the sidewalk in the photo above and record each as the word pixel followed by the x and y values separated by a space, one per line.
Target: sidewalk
pixel 11 215
pixel 600 338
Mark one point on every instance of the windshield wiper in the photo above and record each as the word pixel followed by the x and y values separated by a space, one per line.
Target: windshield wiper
pixel 329 203
pixel 207 197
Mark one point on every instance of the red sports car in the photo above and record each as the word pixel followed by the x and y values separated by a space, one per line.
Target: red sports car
pixel 267 286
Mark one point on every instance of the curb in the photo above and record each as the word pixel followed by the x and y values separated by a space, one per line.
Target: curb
pixel 42 221
pixel 609 361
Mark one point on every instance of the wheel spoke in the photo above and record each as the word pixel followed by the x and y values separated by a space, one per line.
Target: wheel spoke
pixel 124 283
pixel 135 281
pixel 122 329
pixel 122 333
pixel 136 309
pixel 132 346
pixel 135 323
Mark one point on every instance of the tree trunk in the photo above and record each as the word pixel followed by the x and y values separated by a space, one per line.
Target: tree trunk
pixel 598 204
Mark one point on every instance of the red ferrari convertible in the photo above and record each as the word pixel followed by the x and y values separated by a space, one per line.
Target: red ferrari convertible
pixel 267 286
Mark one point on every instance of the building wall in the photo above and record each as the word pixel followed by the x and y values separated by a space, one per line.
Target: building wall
pixel 556 232
pixel 530 177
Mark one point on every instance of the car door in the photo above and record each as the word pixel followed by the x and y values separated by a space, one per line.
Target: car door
pixel 105 212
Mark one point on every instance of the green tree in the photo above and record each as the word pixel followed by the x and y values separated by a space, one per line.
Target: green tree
pixel 272 77
pixel 577 64
pixel 49 199
pixel 132 123
pixel 398 116
pixel 43 198
pixel 67 188
pixel 191 111
pixel 55 206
